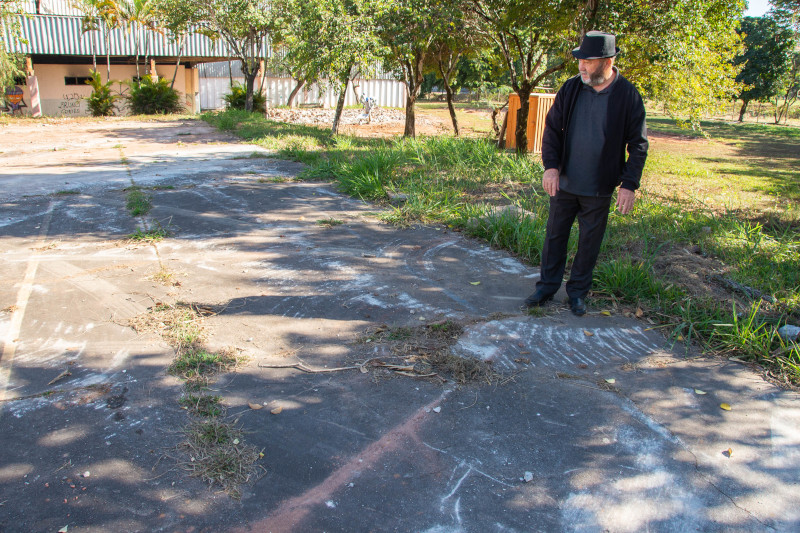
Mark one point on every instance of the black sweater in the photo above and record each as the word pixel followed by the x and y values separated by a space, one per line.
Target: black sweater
pixel 625 128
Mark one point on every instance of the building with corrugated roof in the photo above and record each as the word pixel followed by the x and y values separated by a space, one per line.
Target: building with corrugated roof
pixel 60 54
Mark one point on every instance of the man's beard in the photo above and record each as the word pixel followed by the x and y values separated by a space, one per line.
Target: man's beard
pixel 596 78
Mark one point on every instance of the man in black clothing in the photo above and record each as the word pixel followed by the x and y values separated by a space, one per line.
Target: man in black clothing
pixel 596 117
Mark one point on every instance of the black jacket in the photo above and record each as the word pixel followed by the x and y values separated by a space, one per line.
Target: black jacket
pixel 625 128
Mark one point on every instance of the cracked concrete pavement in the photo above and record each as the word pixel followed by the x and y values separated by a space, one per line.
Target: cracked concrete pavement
pixel 350 451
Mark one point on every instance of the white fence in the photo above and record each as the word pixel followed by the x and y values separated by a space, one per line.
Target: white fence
pixel 388 93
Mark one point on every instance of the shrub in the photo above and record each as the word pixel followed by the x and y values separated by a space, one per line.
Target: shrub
pixel 102 100
pixel 238 95
pixel 148 97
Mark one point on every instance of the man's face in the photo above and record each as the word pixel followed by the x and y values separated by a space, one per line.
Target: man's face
pixel 594 72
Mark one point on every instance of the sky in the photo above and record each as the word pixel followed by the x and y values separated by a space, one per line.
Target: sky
pixel 756 8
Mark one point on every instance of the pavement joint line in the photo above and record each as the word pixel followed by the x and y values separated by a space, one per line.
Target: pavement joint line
pixel 290 512
pixel 23 296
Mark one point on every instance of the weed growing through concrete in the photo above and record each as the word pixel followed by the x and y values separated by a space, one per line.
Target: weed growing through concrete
pixel 194 363
pixel 165 277
pixel 137 202
pixel 330 222
pixel 67 192
pixel 180 324
pixel 218 455
pixel 215 448
pixel 202 405
pixel 155 234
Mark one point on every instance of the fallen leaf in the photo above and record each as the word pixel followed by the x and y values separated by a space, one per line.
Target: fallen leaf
pixel 639 312
pixel 730 451
pixel 679 338
pixel 698 391
pixel 277 410
pixel 437 409
pixel 725 406
pixel 605 313
pixel 236 441
pixel 611 380
pixel 474 282
pixel 363 369
pixel 255 406
pixel 261 455
pixel 588 333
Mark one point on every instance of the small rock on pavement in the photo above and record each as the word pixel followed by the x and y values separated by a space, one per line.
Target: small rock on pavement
pixel 789 332
pixel 437 409
pixel 528 477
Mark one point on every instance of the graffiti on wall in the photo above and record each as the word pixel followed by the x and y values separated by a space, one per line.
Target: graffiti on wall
pixel 70 104
pixel 14 101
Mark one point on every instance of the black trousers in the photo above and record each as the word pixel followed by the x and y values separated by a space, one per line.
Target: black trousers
pixel 592 215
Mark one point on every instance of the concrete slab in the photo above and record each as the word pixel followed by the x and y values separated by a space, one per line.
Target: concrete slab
pixel 350 451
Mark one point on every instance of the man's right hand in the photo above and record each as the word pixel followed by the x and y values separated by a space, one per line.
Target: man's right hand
pixel 550 181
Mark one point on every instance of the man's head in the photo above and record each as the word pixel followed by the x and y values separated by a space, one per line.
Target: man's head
pixel 595 72
pixel 595 57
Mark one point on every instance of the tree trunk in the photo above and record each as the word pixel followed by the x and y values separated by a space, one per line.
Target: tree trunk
pixel 521 133
pixel 339 108
pixel 294 92
pixel 449 91
pixel 250 81
pixel 410 128
pixel 178 63
pixel 446 74
pixel 743 110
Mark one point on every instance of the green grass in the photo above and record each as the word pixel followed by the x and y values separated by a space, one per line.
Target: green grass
pixel 155 234
pixel 137 202
pixel 67 192
pixel 202 405
pixel 738 214
pixel 193 363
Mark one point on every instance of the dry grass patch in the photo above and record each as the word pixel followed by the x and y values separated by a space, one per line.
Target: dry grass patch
pixel 218 455
pixel 428 350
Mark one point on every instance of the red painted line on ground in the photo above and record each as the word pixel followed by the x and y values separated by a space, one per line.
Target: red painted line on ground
pixel 289 515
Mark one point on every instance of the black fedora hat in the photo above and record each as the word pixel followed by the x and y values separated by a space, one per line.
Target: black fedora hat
pixel 597 45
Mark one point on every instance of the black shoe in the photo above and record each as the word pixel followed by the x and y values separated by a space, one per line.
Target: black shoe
pixel 537 299
pixel 577 306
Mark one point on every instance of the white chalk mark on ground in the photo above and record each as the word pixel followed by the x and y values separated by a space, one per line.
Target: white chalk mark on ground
pixel 503 341
pixel 24 294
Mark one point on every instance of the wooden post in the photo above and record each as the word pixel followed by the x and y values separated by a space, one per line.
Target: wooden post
pixel 153 73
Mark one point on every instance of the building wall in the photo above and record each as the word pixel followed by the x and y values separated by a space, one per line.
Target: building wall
pixel 59 99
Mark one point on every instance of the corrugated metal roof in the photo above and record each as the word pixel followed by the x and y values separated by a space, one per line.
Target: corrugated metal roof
pixel 62 35
pixel 52 7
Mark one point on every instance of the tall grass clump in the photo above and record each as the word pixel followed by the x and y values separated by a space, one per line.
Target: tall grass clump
pixel 366 177
pixel 512 229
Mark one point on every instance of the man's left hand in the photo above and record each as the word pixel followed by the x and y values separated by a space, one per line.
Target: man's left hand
pixel 625 199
